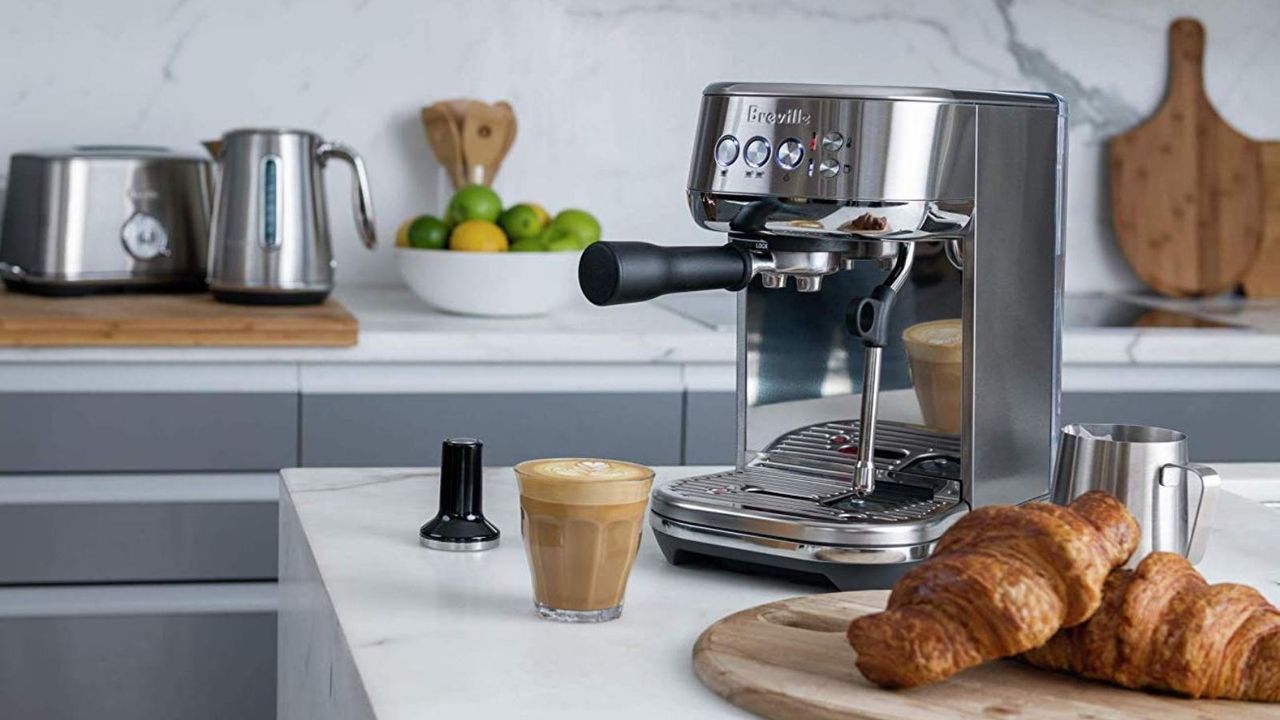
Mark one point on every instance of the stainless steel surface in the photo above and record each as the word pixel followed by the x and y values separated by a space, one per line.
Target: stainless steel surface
pixel 799 490
pixel 474 546
pixel 106 216
pixel 1147 468
pixel 864 468
pixel 881 168
pixel 270 231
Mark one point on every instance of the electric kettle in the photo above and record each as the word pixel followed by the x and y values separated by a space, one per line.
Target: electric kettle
pixel 269 238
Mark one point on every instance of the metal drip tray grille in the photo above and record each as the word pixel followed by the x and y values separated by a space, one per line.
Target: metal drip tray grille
pixel 817 499
pixel 805 475
pixel 828 449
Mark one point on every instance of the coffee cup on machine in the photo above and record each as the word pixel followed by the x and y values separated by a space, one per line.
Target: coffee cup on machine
pixel 1147 468
pixel 935 353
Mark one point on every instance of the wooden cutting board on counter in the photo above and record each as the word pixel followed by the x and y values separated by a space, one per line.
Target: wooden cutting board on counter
pixel 1186 187
pixel 1263 279
pixel 790 659
pixel 195 320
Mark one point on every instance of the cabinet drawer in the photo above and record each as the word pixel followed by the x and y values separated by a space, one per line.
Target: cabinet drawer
pixel 357 430
pixel 93 529
pixel 140 652
pixel 141 432
pixel 710 428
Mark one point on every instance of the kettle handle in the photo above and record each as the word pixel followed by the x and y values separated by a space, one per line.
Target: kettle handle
pixel 362 197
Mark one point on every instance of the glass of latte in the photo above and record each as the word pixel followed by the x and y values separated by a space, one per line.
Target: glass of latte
pixel 581 520
pixel 935 351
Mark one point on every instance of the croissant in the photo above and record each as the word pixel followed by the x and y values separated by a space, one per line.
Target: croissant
pixel 1162 627
pixel 1001 581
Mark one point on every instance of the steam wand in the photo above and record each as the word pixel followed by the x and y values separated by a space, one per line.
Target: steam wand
pixel 868 319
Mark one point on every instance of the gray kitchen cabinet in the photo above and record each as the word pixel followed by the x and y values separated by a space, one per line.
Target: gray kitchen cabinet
pixel 1222 426
pixel 137 528
pixel 141 652
pixel 141 432
pixel 710 428
pixel 382 429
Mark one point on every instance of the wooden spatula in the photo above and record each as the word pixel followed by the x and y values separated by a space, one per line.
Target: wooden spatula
pixel 1186 187
pixel 485 130
pixel 445 140
pixel 1263 279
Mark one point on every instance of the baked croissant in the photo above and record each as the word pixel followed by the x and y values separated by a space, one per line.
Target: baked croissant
pixel 1001 581
pixel 1162 627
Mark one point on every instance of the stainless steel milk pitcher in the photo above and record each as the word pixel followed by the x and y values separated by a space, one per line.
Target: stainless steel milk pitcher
pixel 1148 470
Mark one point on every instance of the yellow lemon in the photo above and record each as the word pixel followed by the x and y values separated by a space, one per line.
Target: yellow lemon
pixel 478 236
pixel 402 234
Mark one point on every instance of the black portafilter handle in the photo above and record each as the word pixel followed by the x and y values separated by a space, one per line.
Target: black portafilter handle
pixel 613 273
pixel 460 523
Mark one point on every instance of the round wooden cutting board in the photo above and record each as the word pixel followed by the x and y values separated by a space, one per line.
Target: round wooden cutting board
pixel 790 659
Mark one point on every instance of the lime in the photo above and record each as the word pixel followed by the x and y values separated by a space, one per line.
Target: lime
pixel 427 233
pixel 521 221
pixel 478 236
pixel 527 245
pixel 402 233
pixel 560 240
pixel 474 202
pixel 579 222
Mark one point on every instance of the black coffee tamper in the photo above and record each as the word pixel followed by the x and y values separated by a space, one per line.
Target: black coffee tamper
pixel 460 525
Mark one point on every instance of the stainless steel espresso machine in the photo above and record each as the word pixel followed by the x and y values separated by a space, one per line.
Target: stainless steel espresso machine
pixel 853 213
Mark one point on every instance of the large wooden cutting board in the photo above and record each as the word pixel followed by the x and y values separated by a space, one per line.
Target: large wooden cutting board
pixel 1186 187
pixel 790 659
pixel 168 320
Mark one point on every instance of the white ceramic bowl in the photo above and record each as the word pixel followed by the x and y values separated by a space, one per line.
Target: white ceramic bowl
pixel 501 284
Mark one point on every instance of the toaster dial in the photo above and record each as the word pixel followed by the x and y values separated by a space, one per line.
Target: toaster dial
pixel 144 237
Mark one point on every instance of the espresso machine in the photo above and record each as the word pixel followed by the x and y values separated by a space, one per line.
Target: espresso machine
pixel 851 214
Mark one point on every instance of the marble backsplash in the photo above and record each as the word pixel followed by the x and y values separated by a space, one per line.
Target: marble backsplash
pixel 606 92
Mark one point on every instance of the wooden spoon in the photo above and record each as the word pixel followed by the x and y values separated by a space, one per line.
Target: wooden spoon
pixel 445 140
pixel 1186 187
pixel 484 141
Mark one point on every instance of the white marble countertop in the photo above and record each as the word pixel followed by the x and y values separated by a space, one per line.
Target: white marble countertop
pixel 372 625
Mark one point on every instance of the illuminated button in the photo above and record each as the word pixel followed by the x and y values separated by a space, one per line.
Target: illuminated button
pixel 829 168
pixel 726 150
pixel 832 141
pixel 757 152
pixel 790 152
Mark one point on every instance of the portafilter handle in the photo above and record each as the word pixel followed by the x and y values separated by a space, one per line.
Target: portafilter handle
pixel 613 273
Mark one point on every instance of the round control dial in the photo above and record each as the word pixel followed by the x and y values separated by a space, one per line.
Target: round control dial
pixel 757 152
pixel 790 152
pixel 829 168
pixel 144 237
pixel 832 141
pixel 726 151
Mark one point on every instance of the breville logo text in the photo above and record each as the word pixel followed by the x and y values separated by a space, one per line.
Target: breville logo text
pixel 793 116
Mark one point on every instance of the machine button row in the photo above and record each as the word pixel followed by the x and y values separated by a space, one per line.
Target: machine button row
pixel 790 153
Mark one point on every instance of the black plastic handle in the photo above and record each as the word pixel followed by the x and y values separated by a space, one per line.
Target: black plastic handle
pixel 612 273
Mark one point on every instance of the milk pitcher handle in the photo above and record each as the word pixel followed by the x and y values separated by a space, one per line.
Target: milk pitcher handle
pixel 1198 535
pixel 362 197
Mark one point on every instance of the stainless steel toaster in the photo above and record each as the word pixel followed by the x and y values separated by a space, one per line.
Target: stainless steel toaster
pixel 95 218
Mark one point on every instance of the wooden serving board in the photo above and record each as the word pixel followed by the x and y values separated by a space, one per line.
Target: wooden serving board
pixel 1263 280
pixel 790 659
pixel 168 320
pixel 1186 187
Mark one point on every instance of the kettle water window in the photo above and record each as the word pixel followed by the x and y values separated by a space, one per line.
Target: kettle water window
pixel 270 237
